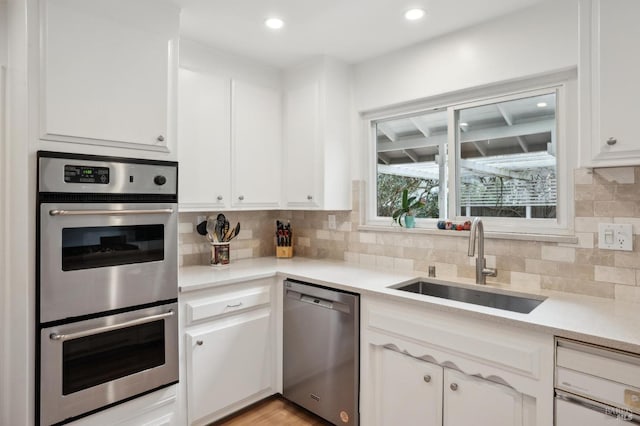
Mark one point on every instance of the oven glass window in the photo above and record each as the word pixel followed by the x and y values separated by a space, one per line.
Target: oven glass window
pixel 101 358
pixel 100 246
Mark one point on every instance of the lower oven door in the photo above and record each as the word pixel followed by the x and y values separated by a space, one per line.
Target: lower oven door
pixel 102 257
pixel 89 365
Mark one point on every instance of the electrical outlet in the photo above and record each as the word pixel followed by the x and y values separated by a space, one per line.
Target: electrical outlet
pixel 615 236
pixel 332 221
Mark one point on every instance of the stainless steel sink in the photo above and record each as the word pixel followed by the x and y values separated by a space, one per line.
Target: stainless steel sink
pixel 507 302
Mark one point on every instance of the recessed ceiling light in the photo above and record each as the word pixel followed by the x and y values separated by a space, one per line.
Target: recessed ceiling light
pixel 464 124
pixel 541 104
pixel 414 14
pixel 274 23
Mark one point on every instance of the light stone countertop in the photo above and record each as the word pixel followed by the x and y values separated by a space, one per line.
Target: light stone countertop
pixel 591 319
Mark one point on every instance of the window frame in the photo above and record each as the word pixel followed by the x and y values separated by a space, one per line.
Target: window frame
pixel 563 84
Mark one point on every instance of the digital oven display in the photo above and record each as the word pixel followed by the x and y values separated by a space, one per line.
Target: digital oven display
pixel 86 174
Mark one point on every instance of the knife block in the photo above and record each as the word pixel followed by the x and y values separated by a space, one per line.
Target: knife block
pixel 284 252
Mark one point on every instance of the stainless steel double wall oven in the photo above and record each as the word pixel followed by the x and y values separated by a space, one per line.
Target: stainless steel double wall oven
pixel 107 320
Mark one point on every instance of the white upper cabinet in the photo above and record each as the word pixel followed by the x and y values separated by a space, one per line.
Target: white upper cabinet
pixel 108 73
pixel 316 136
pixel 204 135
pixel 256 145
pixel 609 35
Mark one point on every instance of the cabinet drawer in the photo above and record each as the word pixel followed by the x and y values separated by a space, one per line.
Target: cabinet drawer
pixel 227 303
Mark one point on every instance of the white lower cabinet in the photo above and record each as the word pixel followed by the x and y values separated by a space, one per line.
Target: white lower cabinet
pixel 422 366
pixel 416 392
pixel 411 391
pixel 230 349
pixel 228 362
pixel 469 400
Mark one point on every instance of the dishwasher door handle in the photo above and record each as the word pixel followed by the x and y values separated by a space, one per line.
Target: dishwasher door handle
pixel 316 301
pixel 319 301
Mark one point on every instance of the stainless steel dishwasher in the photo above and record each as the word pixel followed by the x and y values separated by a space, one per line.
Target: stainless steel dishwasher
pixel 321 337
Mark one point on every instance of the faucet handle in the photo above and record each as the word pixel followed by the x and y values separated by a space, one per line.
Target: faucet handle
pixel 490 272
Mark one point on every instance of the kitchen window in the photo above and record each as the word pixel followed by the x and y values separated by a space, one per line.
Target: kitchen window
pixel 502 158
pixel 412 155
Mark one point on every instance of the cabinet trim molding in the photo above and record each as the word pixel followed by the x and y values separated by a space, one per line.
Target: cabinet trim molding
pixel 525 360
pixel 450 365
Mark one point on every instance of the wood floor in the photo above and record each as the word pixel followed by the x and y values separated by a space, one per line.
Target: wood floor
pixel 273 411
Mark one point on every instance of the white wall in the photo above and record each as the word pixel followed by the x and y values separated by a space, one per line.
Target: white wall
pixel 18 239
pixel 3 286
pixel 534 41
pixel 199 57
pixel 3 32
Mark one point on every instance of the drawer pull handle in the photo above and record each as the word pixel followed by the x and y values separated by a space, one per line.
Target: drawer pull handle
pixel 199 342
pixel 454 386
pixel 237 305
pixel 612 141
pixel 427 378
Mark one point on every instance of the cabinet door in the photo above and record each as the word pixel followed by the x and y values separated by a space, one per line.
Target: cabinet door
pixel 615 91
pixel 473 401
pixel 227 362
pixel 106 72
pixel 302 147
pixel 204 137
pixel 411 391
pixel 256 146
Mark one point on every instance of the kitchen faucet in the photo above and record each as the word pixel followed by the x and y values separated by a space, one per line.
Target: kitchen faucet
pixel 481 270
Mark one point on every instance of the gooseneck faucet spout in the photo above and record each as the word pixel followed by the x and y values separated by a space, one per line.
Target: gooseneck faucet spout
pixel 477 228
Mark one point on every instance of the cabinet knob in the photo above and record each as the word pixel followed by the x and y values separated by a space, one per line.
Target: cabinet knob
pixel 160 138
pixel 241 197
pixel 427 378
pixel 612 141
pixel 309 197
pixel 219 197
pixel 199 342
pixel 453 386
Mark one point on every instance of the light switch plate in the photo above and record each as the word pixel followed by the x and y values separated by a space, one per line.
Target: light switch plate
pixel 615 236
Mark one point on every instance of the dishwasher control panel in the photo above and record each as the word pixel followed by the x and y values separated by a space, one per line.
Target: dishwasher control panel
pixel 598 379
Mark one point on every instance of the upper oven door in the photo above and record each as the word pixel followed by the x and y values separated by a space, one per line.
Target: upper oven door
pixel 99 257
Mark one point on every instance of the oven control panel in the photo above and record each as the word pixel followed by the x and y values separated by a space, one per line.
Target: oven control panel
pixel 86 174
pixel 59 173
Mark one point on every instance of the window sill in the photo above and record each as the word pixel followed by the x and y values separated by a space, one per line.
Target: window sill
pixel 549 238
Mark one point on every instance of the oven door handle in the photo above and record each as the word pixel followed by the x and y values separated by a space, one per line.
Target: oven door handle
pixel 107 212
pixel 104 329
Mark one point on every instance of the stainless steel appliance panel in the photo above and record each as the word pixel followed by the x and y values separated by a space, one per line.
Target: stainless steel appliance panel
pixel 134 274
pixel 91 364
pixel 123 177
pixel 321 351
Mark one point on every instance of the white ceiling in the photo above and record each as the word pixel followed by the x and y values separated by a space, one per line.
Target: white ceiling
pixel 351 30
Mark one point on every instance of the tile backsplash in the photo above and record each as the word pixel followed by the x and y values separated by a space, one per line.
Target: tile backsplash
pixel 257 230
pixel 522 265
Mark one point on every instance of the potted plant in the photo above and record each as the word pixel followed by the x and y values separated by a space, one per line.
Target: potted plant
pixel 409 204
